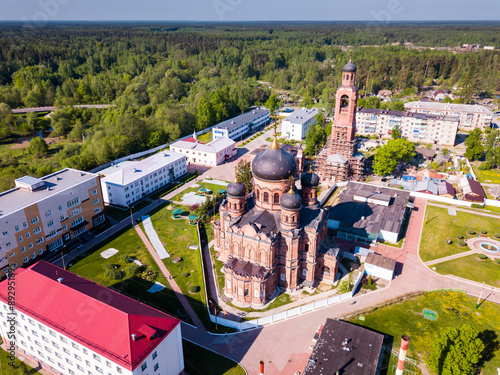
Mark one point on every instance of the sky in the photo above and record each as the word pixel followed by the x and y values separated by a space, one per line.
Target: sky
pixel 379 11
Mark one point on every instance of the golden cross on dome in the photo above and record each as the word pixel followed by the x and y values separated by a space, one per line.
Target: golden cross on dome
pixel 291 191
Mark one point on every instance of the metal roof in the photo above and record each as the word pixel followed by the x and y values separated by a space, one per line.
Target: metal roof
pixel 243 119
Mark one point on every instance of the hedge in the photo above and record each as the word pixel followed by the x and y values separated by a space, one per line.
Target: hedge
pixel 460 237
pixel 462 243
pixel 482 256
pixel 471 232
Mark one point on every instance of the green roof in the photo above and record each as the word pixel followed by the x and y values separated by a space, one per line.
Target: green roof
pixel 202 189
pixel 222 191
pixel 193 217
pixel 178 211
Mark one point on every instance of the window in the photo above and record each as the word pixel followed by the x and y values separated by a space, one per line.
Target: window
pixel 97 358
pixel 50 223
pixel 94 191
pixel 65 350
pixel 62 218
pixel 37 230
pixel 17 228
pixel 54 245
pixel 40 251
pixel 77 221
pixel 283 277
pixel 95 201
pixel 73 202
pixel 20 238
pixel 28 235
pixel 64 227
pixel 266 197
pixel 55 344
pixel 144 366
pixel 26 259
pixel 48 213
pixel 78 357
pixel 11 255
pixel 108 363
pixel 98 369
pixel 156 366
pixel 60 207
pixel 97 210
pixel 276 198
pixel 75 212
pixel 34 220
pixel 30 245
pixel 25 224
pixel 5 233
pixel 155 354
pixel 39 240
pixel 118 369
pixel 51 233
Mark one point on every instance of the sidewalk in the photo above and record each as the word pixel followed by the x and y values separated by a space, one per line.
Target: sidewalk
pixel 454 256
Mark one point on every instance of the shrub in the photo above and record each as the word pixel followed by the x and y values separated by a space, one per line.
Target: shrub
pixel 484 232
pixel 497 235
pixel 185 274
pixel 471 232
pixel 460 237
pixel 133 269
pixel 462 243
pixel 125 258
pixel 194 289
pixel 475 205
pixel 482 256
pixel 497 260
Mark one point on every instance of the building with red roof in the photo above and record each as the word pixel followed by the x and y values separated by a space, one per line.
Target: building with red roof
pixel 70 325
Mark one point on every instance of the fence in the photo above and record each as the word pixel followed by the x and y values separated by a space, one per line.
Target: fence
pixel 439 199
pixel 296 311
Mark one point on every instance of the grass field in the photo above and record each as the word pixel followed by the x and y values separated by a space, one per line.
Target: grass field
pixel 127 242
pixel 200 361
pixel 440 225
pixel 472 268
pixel 489 176
pixel 406 318
pixel 206 185
pixel 7 369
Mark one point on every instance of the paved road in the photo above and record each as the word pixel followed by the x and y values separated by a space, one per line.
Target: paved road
pixel 45 109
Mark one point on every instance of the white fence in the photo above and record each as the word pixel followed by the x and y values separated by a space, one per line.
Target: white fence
pixel 296 311
pixel 437 198
pixel 492 202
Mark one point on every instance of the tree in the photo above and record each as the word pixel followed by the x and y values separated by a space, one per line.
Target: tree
pixel 396 132
pixel 38 147
pixel 397 106
pixel 390 156
pixel 244 174
pixel 445 151
pixel 474 149
pixel 456 351
pixel 315 139
pixel 272 104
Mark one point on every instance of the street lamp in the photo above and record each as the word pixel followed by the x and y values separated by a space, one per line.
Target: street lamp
pixel 131 215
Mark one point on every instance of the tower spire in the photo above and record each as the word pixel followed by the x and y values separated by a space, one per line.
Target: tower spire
pixel 275 145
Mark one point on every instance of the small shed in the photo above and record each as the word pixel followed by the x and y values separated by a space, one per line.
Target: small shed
pixel 176 214
pixel 473 191
pixel 204 191
pixel 221 191
pixel 446 190
pixel 193 219
pixel 380 266
pixel 424 153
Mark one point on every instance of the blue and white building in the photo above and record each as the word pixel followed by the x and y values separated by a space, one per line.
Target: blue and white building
pixel 239 126
pixel 296 125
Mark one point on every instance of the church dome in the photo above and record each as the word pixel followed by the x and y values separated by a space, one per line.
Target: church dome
pixel 350 67
pixel 291 200
pixel 309 179
pixel 236 189
pixel 274 164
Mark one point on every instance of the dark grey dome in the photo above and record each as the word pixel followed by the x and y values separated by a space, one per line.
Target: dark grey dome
pixel 291 201
pixel 274 164
pixel 350 67
pixel 236 189
pixel 309 179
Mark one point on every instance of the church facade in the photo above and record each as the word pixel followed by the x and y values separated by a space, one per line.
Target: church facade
pixel 275 237
pixel 339 159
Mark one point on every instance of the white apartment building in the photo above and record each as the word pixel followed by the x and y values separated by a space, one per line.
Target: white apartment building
pixel 210 154
pixel 43 214
pixel 471 115
pixel 128 183
pixel 415 127
pixel 72 326
pixel 239 126
pixel 296 125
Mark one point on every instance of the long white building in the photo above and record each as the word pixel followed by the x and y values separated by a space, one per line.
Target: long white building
pixel 70 325
pixel 210 154
pixel 471 115
pixel 128 183
pixel 43 214
pixel 296 125
pixel 239 126
pixel 416 127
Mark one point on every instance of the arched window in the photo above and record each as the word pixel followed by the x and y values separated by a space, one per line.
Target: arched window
pixel 276 199
pixel 344 101
pixel 266 197
pixel 326 271
pixel 306 247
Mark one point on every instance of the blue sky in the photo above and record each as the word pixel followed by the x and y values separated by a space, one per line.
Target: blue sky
pixel 250 10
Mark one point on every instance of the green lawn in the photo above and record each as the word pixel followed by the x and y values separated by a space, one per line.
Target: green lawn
pixel 405 318
pixel 177 236
pixel 440 225
pixel 472 268
pixel 492 175
pixel 7 369
pixel 205 138
pixel 200 361
pixel 214 187
pixel 128 242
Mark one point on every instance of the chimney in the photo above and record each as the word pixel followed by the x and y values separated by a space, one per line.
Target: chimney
pixel 134 336
pixel 261 368
pixel 405 340
pixel 60 280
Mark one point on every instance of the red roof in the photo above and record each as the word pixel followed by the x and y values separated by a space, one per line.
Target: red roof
pixel 189 139
pixel 94 316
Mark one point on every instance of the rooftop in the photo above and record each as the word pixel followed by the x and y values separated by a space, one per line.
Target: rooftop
pixel 106 328
pixel 381 261
pixel 117 167
pixel 243 119
pixel 302 115
pixel 134 172
pixel 423 116
pixel 215 146
pixel 15 199
pixel 437 106
pixel 345 348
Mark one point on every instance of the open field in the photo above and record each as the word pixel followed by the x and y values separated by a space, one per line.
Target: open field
pixel 213 187
pixel 440 225
pixel 7 369
pixel 489 176
pixel 200 361
pixel 128 242
pixel 472 268
pixel 406 318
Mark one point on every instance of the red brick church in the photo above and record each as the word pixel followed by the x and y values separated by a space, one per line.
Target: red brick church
pixel 339 159
pixel 276 237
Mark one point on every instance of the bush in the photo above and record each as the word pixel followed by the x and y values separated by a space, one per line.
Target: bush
pixel 475 205
pixel 460 237
pixel 133 269
pixel 194 289
pixel 497 235
pixel 471 232
pixel 484 232
pixel 497 260
pixel 125 258
pixel 185 274
pixel 462 243
pixel 482 256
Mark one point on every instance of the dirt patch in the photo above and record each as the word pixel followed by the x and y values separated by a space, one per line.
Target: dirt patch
pixel 23 144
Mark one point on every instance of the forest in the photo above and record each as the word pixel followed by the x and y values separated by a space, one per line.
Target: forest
pixel 166 80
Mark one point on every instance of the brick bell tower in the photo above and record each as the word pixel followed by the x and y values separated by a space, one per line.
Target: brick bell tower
pixel 339 160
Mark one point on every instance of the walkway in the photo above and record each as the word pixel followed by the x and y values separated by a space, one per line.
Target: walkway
pixel 470 211
pixel 153 237
pixel 454 256
pixel 197 322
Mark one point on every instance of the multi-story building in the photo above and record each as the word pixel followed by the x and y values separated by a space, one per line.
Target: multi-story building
pixel 129 183
pixel 296 125
pixel 239 126
pixel 70 325
pixel 211 154
pixel 42 214
pixel 471 115
pixel 416 127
